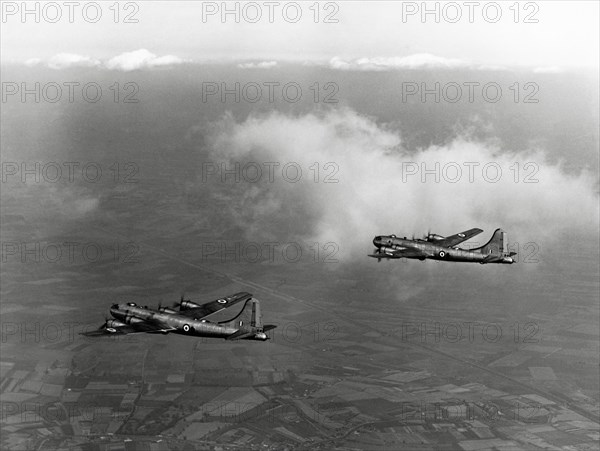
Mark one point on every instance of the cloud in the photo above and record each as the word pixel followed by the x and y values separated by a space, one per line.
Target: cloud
pixel 128 61
pixel 67 60
pixel 417 61
pixel 260 65
pixel 33 62
pixel 377 191
pixel 140 59
pixel 411 62
pixel 548 70
pixel 71 202
pixel 61 203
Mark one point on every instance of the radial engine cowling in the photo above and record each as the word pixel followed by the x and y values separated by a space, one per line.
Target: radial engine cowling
pixel 185 305
pixel 133 320
pixel 114 323
pixel 434 237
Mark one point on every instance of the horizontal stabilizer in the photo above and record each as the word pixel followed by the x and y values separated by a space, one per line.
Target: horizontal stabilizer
pixel 254 333
pixel 240 334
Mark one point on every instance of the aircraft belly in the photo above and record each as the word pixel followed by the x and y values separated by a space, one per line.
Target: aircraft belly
pixel 465 256
pixel 205 329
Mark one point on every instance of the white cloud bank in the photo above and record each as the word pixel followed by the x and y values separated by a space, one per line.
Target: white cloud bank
pixel 258 65
pixel 66 60
pixel 144 59
pixel 548 70
pixel 375 194
pixel 417 61
pixel 128 61
pixel 141 59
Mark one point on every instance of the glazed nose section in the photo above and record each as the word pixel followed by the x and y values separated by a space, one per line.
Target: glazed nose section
pixel 114 310
pixel 377 241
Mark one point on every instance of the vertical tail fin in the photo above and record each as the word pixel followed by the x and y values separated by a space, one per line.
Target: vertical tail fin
pixel 256 320
pixel 498 244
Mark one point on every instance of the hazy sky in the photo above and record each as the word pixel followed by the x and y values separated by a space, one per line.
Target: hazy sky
pixel 566 34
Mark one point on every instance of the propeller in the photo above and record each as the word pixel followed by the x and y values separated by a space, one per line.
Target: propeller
pixel 103 326
pixel 378 251
pixel 376 254
pixel 181 299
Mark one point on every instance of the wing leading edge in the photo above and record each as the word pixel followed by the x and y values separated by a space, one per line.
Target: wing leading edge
pixel 451 241
pixel 210 308
pixel 136 328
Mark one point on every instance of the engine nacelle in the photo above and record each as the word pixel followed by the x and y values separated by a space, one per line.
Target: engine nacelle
pixel 185 305
pixel 167 310
pixel 387 250
pixel 133 320
pixel 434 237
pixel 114 323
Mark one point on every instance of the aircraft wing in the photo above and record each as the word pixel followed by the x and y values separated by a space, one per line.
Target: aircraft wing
pixel 215 306
pixel 136 328
pixel 451 241
pixel 404 251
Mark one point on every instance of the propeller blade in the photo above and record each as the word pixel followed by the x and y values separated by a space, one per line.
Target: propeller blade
pixel 181 299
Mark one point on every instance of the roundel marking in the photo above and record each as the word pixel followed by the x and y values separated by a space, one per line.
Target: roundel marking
pixel 222 301
pixel 442 254
pixel 186 327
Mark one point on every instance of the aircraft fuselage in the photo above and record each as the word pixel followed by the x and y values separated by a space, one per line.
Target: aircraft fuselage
pixel 179 324
pixel 388 245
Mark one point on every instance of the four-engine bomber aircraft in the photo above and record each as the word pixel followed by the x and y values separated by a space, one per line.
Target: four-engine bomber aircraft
pixel 437 247
pixel 190 319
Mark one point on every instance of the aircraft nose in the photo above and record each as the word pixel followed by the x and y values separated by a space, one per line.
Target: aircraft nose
pixel 377 240
pixel 114 310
